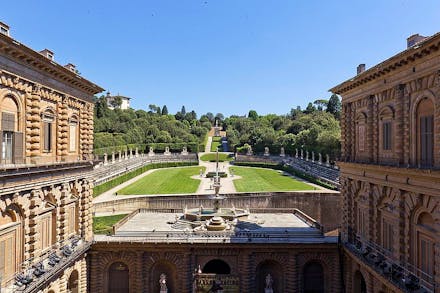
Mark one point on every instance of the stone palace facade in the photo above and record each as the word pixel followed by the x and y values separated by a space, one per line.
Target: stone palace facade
pixel 46 143
pixel 390 173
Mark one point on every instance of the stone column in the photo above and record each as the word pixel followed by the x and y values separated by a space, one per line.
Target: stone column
pixel 105 159
pixel 313 157
pixel 307 155
pixel 327 160
pixel 120 156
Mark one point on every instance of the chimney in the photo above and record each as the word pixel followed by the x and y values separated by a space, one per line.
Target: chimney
pixel 360 68
pixel 71 67
pixel 414 39
pixel 47 53
pixel 4 28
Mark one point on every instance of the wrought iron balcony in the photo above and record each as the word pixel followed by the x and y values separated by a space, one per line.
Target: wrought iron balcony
pixel 401 274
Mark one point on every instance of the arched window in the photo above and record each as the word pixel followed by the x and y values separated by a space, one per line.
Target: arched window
pixel 386 117
pixel 11 139
pixel 73 134
pixel 424 247
pixel 216 266
pixel 425 133
pixel 72 284
pixel 313 278
pixel 118 278
pixel 359 285
pixel 361 134
pixel 48 119
pixel 10 242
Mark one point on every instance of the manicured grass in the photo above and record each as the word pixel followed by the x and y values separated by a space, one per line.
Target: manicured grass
pixel 103 225
pixel 259 179
pixel 166 181
pixel 216 138
pixel 213 157
pixel 215 145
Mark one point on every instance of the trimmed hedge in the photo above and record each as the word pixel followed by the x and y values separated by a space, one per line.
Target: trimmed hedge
pixel 97 190
pixel 220 174
pixel 287 169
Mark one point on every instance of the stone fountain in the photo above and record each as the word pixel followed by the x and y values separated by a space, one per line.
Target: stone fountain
pixel 216 218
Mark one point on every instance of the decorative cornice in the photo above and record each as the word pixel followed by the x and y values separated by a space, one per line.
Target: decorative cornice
pixel 26 56
pixel 408 56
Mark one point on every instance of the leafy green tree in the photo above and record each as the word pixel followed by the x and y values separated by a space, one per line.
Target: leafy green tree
pixel 253 114
pixel 310 109
pixel 183 111
pixel 116 102
pixel 164 110
pixel 321 104
pixel 334 106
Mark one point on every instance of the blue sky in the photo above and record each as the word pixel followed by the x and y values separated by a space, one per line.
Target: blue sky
pixel 225 56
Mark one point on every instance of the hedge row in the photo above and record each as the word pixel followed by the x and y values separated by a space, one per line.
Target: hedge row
pixel 287 169
pixel 97 190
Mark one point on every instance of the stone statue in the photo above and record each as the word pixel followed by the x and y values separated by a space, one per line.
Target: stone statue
pixel 302 154
pixel 113 157
pixel 307 155
pixel 125 155
pixel 136 152
pixel 313 157
pixel 167 151
pixel 282 153
pixel 151 152
pixel 163 283
pixel 105 159
pixel 266 151
pixel 296 153
pixel 249 151
pixel 184 151
pixel 120 156
pixel 319 158
pixel 327 160
pixel 269 283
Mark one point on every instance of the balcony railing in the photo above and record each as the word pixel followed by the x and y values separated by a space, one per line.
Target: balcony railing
pixel 35 273
pixel 403 275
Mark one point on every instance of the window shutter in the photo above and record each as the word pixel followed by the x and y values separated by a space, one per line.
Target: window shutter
pixel 8 121
pixel 18 148
pixel 423 140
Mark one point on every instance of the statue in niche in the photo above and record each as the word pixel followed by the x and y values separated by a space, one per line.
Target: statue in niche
pixel 269 283
pixel 163 283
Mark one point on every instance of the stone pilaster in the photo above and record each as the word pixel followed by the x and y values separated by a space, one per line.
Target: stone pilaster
pixel 399 138
pixel 34 236
pixel 291 273
pixel 375 129
pixel 406 128
pixel 62 221
pixel 352 132
pixel 83 275
pixel 370 127
pixel 33 124
pixel 246 263
pixel 86 131
pixel 62 131
pixel 85 207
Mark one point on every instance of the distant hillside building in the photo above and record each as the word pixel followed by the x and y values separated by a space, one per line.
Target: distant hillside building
pixel 118 102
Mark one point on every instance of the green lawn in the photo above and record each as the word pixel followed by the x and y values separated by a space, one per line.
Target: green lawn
pixel 213 157
pixel 259 179
pixel 166 181
pixel 103 225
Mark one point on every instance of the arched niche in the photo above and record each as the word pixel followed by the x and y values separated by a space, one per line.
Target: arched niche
pixel 118 278
pixel 313 278
pixel 275 270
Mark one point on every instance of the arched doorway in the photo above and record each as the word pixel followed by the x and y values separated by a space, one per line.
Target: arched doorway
pixel 216 266
pixel 313 278
pixel 359 285
pixel 270 271
pixel 118 278
pixel 72 284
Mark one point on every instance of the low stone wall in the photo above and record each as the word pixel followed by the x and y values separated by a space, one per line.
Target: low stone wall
pixel 325 207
